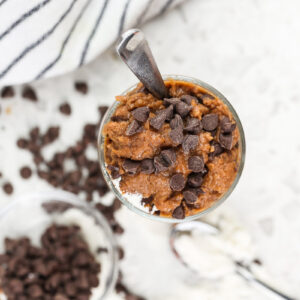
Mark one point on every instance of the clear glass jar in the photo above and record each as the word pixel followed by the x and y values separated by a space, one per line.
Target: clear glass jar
pixel 27 217
pixel 135 208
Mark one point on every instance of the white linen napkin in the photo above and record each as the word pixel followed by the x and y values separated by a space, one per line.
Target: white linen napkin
pixel 44 38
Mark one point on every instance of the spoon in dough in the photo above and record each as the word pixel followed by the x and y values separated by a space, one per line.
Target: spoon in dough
pixel 241 269
pixel 134 50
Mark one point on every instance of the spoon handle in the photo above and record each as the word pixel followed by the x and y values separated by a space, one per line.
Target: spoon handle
pixel 134 50
pixel 249 276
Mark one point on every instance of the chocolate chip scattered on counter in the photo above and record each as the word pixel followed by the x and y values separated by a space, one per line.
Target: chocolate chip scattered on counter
pixel 183 109
pixel 176 122
pixel 171 101
pixel 169 156
pixel 176 135
pixel 190 196
pixel 22 143
pixel 158 121
pixel 81 87
pixel 133 128
pixel 189 143
pixel 29 93
pixel 257 261
pixel 65 109
pixel 210 122
pixel 131 166
pixel 177 182
pixel 193 125
pixel 195 179
pixel 196 164
pixel 160 164
pixel 26 172
pixel 141 114
pixel 226 125
pixel 114 171
pixel 226 140
pixel 8 188
pixel 188 99
pixel 102 110
pixel 178 212
pixel 147 166
pixel 7 92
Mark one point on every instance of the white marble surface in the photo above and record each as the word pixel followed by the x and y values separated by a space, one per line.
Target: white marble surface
pixel 249 50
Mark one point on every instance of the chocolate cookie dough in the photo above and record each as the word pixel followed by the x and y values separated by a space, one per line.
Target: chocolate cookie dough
pixel 181 153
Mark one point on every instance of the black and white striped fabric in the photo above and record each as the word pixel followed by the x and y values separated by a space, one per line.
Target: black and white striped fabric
pixel 43 38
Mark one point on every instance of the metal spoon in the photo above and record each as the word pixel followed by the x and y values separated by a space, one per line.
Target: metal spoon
pixel 133 48
pixel 241 270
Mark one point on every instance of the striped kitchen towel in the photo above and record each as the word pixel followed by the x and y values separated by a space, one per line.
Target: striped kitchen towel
pixel 44 38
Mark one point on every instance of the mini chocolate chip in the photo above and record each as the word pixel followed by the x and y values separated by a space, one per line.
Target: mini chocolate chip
pixel 257 261
pixel 177 182
pixel 213 132
pixel 188 99
pixel 35 291
pixel 193 125
pixel 160 164
pixel 178 212
pixel 183 109
pixel 8 188
pixel 16 286
pixel 190 196
pixel 226 125
pixel 176 122
pixel 158 121
pixel 131 166
pixel 25 172
pixel 189 143
pixel 196 163
pixel 29 94
pixel 114 171
pixel 226 140
pixel 22 143
pixel 169 111
pixel 210 122
pixel 171 101
pixel 65 109
pixel 81 87
pixel 176 135
pixel 195 179
pixel 141 114
pixel 133 128
pixel 147 200
pixel 169 156
pixel 7 92
pixel 147 166
pixel 217 149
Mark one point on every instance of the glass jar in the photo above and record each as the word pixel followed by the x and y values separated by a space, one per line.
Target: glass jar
pixel 143 212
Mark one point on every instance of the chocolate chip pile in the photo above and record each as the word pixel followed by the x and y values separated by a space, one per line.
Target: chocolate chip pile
pixel 86 177
pixel 62 268
pixel 176 137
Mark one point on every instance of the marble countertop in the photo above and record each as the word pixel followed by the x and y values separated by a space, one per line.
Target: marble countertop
pixel 249 50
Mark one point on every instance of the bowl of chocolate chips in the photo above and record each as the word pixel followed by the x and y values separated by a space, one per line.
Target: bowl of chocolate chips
pixel 176 158
pixel 55 247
